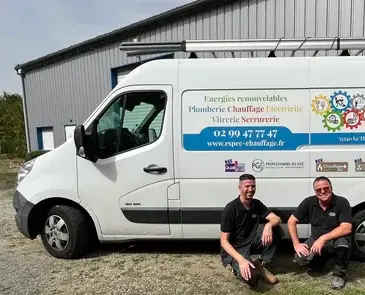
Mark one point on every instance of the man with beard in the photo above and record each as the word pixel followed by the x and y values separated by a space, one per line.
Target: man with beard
pixel 331 221
pixel 241 235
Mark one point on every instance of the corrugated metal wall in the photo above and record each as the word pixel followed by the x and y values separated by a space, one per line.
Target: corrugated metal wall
pixel 67 92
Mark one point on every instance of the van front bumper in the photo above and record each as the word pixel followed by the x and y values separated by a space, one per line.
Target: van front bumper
pixel 22 208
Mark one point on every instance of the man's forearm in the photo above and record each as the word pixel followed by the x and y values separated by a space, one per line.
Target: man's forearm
pixel 338 232
pixel 232 251
pixel 274 222
pixel 292 228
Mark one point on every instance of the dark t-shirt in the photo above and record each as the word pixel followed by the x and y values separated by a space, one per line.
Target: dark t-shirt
pixel 242 223
pixel 321 221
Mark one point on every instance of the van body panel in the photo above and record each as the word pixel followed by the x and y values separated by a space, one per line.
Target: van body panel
pixel 54 175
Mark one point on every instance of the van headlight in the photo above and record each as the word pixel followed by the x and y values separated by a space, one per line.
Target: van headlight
pixel 24 170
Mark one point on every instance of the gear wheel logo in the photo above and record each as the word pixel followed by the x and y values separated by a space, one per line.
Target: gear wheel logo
pixel 362 116
pixel 358 102
pixel 340 101
pixel 352 119
pixel 321 105
pixel 333 121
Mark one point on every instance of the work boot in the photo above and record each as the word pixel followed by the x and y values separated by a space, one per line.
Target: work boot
pixel 338 282
pixel 265 274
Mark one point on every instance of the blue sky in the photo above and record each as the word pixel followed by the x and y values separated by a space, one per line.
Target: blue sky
pixel 32 28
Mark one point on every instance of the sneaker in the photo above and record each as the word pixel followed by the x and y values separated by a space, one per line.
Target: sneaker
pixel 338 282
pixel 265 274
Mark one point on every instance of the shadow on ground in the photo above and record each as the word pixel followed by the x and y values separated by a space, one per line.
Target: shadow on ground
pixel 201 247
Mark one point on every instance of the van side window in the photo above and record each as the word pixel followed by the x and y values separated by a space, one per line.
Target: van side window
pixel 133 120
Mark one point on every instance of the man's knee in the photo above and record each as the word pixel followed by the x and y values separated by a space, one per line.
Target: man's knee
pixel 255 276
pixel 343 242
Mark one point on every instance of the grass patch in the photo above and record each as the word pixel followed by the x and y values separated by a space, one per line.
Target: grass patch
pixel 7 180
pixel 8 172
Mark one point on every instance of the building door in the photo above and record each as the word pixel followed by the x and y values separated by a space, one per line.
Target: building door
pixel 45 138
pixel 69 131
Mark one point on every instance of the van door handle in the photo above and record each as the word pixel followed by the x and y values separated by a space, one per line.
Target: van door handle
pixel 153 169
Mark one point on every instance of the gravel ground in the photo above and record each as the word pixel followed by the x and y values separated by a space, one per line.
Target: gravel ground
pixel 147 268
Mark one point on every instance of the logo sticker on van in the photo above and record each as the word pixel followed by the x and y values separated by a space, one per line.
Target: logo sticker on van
pixel 359 165
pixel 233 166
pixel 322 166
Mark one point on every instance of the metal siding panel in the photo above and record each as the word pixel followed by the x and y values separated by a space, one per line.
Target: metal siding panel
pixel 57 94
pixel 206 25
pixel 345 18
pixel 321 18
pixel 186 28
pixel 39 96
pixel 77 93
pixel 333 21
pixel 192 28
pixel 299 19
pixel 206 29
pixel 227 32
pixel 213 24
pixel 289 19
pixel 175 31
pixel 163 32
pixel 236 20
pixel 310 21
pixel 199 27
pixel 279 21
pixel 29 90
pixel 358 18
pixel 252 11
pixel 228 21
pixel 260 23
pixel 221 29
pixel 270 18
pixel 244 23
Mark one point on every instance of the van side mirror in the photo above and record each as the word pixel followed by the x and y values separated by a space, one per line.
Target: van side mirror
pixel 85 143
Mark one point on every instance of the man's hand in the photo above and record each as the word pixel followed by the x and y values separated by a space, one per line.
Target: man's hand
pixel 301 249
pixel 245 269
pixel 318 246
pixel 267 235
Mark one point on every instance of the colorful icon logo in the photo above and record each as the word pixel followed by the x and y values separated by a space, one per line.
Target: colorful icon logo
pixel 340 110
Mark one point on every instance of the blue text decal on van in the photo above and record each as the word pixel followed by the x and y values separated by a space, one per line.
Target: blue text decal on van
pixel 263 138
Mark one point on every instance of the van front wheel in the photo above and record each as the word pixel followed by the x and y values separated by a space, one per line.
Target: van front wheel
pixel 65 232
pixel 358 242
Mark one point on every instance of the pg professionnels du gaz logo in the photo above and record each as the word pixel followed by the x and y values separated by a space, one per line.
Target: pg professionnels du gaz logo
pixel 259 165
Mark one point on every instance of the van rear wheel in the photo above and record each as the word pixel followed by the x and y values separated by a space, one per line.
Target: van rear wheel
pixel 358 237
pixel 65 232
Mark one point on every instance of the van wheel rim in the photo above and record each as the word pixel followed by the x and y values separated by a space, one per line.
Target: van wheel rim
pixel 360 237
pixel 57 233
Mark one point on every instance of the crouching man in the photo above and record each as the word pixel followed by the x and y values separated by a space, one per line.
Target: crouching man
pixel 331 225
pixel 242 236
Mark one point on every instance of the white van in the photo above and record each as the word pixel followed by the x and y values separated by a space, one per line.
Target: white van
pixel 162 154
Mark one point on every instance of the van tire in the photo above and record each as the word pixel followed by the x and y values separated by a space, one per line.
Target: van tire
pixel 358 227
pixel 69 241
